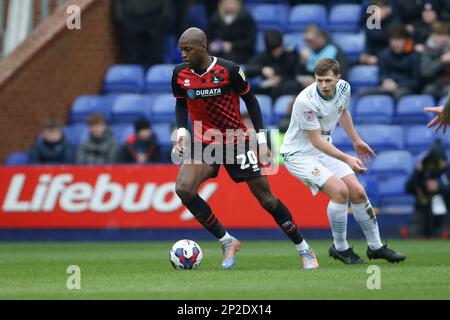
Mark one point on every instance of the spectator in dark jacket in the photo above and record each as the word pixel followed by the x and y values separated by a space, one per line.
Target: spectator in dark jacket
pixel 52 147
pixel 421 29
pixel 377 38
pixel 399 66
pixel 100 148
pixel 277 66
pixel 430 185
pixel 435 64
pixel 142 146
pixel 232 32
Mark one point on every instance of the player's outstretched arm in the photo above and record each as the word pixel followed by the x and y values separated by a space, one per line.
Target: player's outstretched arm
pixel 182 120
pixel 442 118
pixel 362 149
pixel 315 136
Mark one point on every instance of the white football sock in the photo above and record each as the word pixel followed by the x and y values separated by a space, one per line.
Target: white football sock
pixel 365 216
pixel 225 238
pixel 337 215
pixel 302 245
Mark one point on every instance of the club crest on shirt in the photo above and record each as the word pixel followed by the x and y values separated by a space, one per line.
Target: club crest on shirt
pixel 315 172
pixel 216 79
pixel 308 115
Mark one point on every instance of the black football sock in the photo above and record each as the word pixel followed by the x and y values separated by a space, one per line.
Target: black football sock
pixel 284 219
pixel 202 212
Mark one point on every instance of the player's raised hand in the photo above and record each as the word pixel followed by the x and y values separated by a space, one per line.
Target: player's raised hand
pixel 178 147
pixel 364 151
pixel 356 164
pixel 441 120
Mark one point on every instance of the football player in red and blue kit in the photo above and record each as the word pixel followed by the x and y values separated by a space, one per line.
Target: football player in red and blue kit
pixel 208 90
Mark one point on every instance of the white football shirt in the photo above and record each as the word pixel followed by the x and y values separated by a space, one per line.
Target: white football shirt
pixel 311 112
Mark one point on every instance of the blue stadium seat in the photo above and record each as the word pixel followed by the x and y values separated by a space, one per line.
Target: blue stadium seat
pixel 163 109
pixel 294 40
pixel 17 159
pixel 442 100
pixel 84 106
pixel 159 78
pixel 374 109
pixel 418 138
pixel 270 16
pixel 370 184
pixel 260 45
pixel 353 44
pixel 340 140
pixel 345 17
pixel 281 108
pixel 390 163
pixel 124 79
pixel 121 131
pixel 265 102
pixel 76 133
pixel 302 15
pixel 129 107
pixel 363 76
pixel 393 197
pixel 197 16
pixel 410 109
pixel 163 132
pixel 382 137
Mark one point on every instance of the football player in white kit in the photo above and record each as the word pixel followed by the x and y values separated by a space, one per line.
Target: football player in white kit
pixel 311 157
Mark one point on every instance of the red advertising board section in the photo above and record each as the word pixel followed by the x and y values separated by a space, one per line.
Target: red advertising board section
pixel 139 197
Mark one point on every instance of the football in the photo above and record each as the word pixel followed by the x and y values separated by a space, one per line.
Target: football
pixel 185 254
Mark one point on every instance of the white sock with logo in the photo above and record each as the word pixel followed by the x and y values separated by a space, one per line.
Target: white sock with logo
pixel 365 216
pixel 302 245
pixel 337 216
pixel 226 238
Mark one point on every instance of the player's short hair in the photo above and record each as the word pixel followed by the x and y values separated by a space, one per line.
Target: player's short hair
pixel 439 27
pixel 96 118
pixel 326 64
pixel 52 124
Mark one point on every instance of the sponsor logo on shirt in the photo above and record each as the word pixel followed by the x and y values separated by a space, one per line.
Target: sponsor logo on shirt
pixel 203 93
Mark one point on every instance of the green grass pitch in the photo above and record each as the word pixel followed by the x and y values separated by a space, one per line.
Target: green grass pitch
pixel 265 270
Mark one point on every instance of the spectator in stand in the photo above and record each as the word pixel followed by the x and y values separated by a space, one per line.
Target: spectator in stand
pixel 142 25
pixel 100 148
pixel 377 38
pixel 319 45
pixel 277 66
pixel 421 29
pixel 232 32
pixel 435 64
pixel 52 147
pixel 430 184
pixel 142 146
pixel 399 66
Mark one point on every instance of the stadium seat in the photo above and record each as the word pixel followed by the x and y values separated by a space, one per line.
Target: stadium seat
pixel 124 79
pixel 418 138
pixel 370 184
pixel 121 131
pixel 294 40
pixel 302 15
pixel 260 45
pixel 281 108
pixel 353 44
pixel 410 109
pixel 345 17
pixel 270 16
pixel 159 78
pixel 197 16
pixel 390 163
pixel 393 197
pixel 163 109
pixel 84 106
pixel 17 159
pixel 382 137
pixel 374 109
pixel 76 133
pixel 442 100
pixel 363 76
pixel 340 139
pixel 265 102
pixel 129 107
pixel 163 132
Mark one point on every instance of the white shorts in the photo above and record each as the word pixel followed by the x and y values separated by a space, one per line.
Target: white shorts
pixel 314 171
